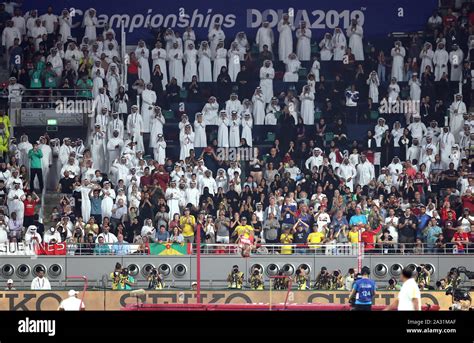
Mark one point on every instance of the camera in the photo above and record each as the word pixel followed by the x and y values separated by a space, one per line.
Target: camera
pixel 391 282
pixel 235 270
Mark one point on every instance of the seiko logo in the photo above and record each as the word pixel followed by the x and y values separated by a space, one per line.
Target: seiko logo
pixel 37 326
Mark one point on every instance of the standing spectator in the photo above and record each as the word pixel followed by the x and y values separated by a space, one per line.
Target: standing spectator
pixel 35 155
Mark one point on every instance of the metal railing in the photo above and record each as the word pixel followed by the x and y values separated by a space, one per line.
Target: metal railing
pixel 348 249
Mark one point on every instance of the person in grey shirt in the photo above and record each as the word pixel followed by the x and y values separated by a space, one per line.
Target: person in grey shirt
pixel 222 228
pixel 271 228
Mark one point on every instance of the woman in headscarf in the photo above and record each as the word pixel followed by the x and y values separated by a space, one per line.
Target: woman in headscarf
pixel 157 80
pixel 204 69
pixel 223 84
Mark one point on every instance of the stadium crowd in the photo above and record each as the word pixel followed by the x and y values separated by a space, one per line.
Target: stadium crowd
pixel 407 186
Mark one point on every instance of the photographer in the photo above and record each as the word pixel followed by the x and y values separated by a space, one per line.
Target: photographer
pixel 441 285
pixel 349 279
pixel 126 281
pixel 423 275
pixel 155 280
pixel 281 283
pixel 115 276
pixel 323 280
pixel 235 279
pixel 337 280
pixel 301 279
pixel 256 280
pixel 363 292
pixel 393 285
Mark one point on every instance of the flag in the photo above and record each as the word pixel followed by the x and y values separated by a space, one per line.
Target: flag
pixel 51 249
pixel 169 249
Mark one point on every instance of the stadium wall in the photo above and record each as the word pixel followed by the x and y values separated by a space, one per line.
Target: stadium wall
pixel 180 271
pixel 115 300
pixel 379 18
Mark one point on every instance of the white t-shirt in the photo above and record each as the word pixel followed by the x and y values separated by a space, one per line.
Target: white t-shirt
pixel 40 284
pixel 71 304
pixel 408 292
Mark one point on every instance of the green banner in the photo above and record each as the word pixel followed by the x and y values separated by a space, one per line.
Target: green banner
pixel 168 249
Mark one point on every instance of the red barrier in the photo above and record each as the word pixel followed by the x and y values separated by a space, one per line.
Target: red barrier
pixel 253 307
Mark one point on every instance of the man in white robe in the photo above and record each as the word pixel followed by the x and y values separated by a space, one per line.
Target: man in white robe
pixel 8 36
pixel 148 104
pixel 223 132
pixel 114 148
pixel 339 44
pixel 265 36
pixel 355 34
pixel 292 67
pixel 15 199
pixel 365 171
pixel 446 143
pixel 440 61
pixel 135 128
pixel 258 100
pixel 426 57
pixel 307 105
pixel 186 140
pixel 210 111
pixel 98 148
pixel 303 45
pixel 159 56
pixel 398 55
pixel 200 138
pixel 115 124
pixel 46 160
pixel 175 57
pixel 456 116
pixel 347 173
pixel 247 124
pixel 215 36
pixel 285 41
pixel 234 130
pixel 173 196
pixel 159 149
pixel 142 53
pixel 233 104
pixel 326 47
pixel 267 74
pixel 456 58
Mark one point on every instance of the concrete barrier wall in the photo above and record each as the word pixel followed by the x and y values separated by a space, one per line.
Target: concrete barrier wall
pixel 115 300
pixel 214 269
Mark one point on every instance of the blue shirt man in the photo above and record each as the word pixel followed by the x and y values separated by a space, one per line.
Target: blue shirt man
pixel 363 291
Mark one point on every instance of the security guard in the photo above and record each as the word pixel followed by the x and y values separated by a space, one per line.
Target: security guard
pixel 363 292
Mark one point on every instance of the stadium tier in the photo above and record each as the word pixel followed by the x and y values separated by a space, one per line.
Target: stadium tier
pixel 220 148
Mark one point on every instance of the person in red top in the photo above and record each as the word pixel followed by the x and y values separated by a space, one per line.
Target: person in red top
pixel 445 212
pixel 368 238
pixel 460 239
pixel 146 179
pixel 468 201
pixel 30 204
pixel 161 176
pixel 449 18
